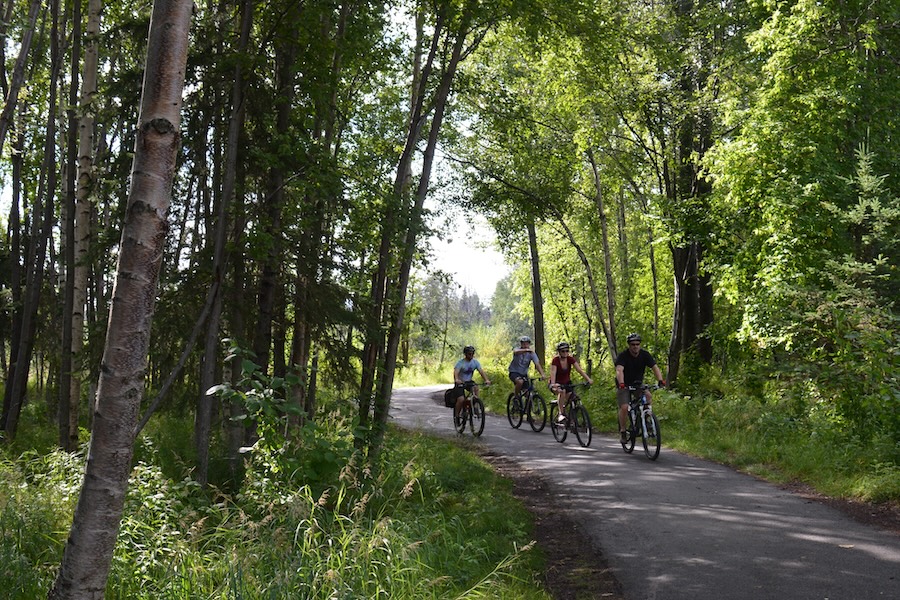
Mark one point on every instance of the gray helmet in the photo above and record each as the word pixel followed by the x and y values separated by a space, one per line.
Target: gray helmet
pixel 633 337
pixel 562 346
pixel 468 349
pixel 525 338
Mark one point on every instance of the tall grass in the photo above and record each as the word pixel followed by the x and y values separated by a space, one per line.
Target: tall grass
pixel 784 434
pixel 435 522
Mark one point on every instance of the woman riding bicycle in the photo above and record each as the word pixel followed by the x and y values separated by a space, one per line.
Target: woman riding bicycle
pixel 561 375
pixel 462 372
pixel 630 366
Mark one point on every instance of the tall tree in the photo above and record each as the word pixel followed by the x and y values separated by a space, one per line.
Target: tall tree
pixel 88 554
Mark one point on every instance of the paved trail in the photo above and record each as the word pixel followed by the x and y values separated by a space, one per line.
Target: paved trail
pixel 684 528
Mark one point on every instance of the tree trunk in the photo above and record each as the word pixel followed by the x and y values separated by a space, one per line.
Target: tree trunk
pixel 398 306
pixel 64 411
pixel 41 231
pixel 19 71
pixel 374 347
pixel 15 274
pixel 607 256
pixel 589 273
pixel 211 345
pixel 86 561
pixel 537 294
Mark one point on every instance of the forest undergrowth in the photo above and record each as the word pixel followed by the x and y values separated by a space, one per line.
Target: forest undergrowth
pixel 435 522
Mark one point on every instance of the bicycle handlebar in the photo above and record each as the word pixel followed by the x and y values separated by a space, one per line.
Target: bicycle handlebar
pixel 643 386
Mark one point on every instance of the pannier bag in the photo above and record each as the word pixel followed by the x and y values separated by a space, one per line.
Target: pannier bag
pixel 450 397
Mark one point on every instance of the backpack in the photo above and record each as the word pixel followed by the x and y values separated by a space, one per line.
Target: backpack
pixel 450 397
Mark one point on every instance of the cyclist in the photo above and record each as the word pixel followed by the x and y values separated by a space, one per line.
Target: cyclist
pixel 523 357
pixel 561 375
pixel 630 366
pixel 462 372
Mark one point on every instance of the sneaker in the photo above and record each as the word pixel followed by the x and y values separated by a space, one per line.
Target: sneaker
pixel 561 419
pixel 624 436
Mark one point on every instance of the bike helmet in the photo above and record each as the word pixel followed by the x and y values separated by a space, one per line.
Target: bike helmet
pixel 525 338
pixel 562 346
pixel 633 337
pixel 469 349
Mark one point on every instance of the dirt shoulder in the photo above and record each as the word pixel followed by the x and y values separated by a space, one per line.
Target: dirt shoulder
pixel 576 569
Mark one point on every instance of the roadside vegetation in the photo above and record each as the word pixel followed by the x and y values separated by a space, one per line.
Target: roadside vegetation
pixel 434 522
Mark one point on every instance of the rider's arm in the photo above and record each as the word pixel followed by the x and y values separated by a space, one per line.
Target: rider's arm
pixel 537 365
pixel 620 375
pixel 552 374
pixel 581 372
pixel 659 375
pixel 484 377
pixel 456 378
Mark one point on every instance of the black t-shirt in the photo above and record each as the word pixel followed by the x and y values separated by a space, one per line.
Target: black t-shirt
pixel 635 365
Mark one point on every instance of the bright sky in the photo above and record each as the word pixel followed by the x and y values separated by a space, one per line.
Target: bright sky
pixel 471 258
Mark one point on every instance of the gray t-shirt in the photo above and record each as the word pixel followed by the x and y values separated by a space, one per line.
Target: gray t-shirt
pixel 521 362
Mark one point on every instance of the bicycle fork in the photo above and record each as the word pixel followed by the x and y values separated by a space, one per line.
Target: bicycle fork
pixel 646 420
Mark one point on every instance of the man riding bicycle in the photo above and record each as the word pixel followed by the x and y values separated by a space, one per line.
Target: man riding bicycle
pixel 630 366
pixel 561 375
pixel 523 357
pixel 462 372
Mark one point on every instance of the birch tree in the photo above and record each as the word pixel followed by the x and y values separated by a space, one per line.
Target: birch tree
pixel 88 553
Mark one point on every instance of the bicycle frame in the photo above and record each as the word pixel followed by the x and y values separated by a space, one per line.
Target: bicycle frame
pixel 642 421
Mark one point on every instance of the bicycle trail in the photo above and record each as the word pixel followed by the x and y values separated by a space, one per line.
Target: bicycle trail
pixel 682 528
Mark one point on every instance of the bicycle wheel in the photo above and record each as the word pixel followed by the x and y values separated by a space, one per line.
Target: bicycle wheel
pixel 537 412
pixel 581 423
pixel 628 445
pixel 651 438
pixel 559 429
pixel 462 419
pixel 514 411
pixel 476 418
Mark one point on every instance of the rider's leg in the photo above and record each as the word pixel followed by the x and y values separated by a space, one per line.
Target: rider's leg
pixel 459 405
pixel 562 399
pixel 622 397
pixel 519 382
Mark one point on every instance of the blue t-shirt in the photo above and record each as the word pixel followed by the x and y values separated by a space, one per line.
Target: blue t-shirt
pixel 467 368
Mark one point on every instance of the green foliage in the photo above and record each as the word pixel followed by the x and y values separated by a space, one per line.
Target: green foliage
pixel 785 429
pixel 36 504
pixel 434 522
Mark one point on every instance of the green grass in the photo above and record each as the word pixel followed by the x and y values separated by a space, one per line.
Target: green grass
pixel 436 522
pixel 781 444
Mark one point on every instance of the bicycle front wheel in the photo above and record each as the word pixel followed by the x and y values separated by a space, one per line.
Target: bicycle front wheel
pixel 581 423
pixel 559 429
pixel 461 419
pixel 537 413
pixel 652 439
pixel 514 411
pixel 628 444
pixel 476 419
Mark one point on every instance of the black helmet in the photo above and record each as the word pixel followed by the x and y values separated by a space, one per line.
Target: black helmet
pixel 562 346
pixel 633 337
pixel 525 338
pixel 469 349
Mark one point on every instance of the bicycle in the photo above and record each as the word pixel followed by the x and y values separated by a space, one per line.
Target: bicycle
pixel 471 412
pixel 642 422
pixel 576 417
pixel 529 403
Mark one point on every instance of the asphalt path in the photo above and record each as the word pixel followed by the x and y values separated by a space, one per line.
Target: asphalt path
pixel 684 528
